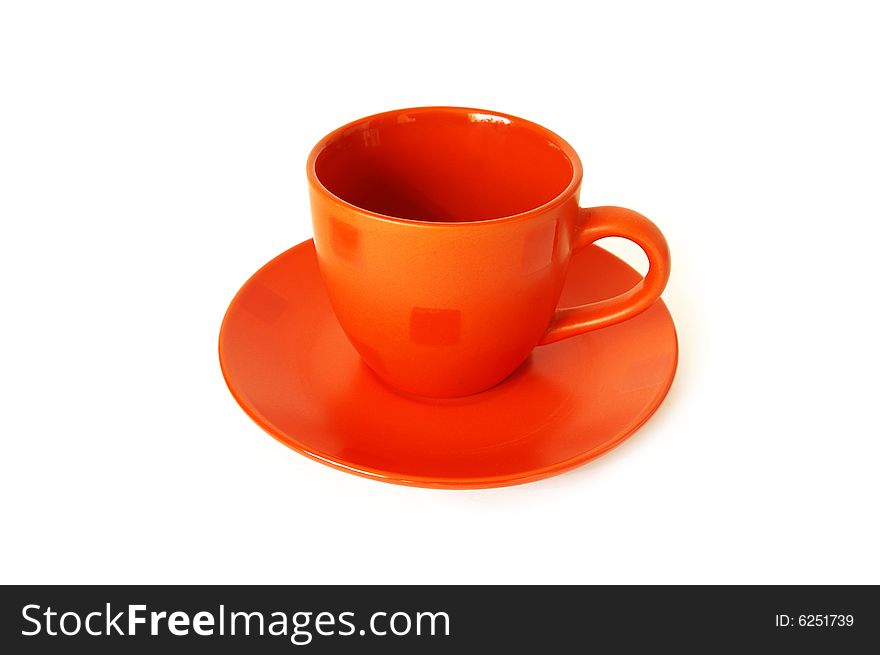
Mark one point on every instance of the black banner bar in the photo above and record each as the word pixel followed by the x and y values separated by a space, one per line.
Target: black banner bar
pixel 402 619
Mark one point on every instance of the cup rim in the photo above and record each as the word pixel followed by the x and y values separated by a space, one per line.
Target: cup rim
pixel 555 139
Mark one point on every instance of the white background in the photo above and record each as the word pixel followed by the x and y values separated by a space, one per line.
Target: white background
pixel 152 158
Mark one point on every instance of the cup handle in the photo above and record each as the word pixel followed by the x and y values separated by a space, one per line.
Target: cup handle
pixel 597 223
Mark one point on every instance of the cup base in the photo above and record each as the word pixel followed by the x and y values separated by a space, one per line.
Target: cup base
pixel 441 398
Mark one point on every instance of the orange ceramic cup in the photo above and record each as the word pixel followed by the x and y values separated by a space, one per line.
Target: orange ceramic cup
pixel 443 236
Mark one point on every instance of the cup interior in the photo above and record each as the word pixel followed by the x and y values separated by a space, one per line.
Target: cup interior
pixel 444 165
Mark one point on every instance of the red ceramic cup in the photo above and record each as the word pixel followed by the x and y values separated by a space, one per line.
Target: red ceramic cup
pixel 443 236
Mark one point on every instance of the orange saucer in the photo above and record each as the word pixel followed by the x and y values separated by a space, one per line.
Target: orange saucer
pixel 291 368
